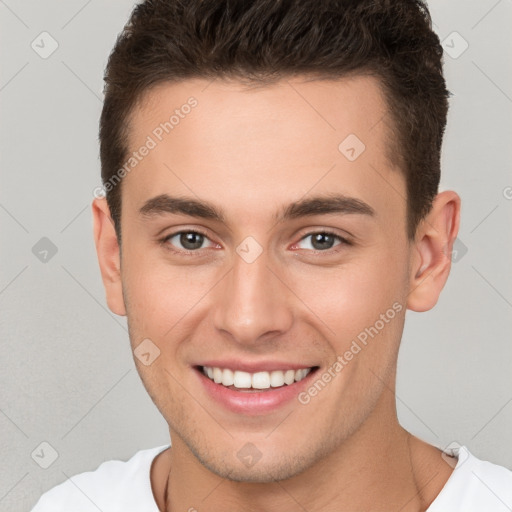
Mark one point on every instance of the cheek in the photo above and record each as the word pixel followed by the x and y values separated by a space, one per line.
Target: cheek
pixel 162 297
pixel 361 310
pixel 352 296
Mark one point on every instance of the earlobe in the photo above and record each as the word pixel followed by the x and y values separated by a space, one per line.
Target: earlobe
pixel 109 257
pixel 431 254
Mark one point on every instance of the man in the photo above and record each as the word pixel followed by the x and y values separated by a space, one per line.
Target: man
pixel 271 172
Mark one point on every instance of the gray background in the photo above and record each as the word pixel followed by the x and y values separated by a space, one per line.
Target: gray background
pixel 67 376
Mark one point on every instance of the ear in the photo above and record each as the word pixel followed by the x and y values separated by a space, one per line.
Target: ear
pixel 430 261
pixel 109 256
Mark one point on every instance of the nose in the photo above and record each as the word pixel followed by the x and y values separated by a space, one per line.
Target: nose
pixel 253 302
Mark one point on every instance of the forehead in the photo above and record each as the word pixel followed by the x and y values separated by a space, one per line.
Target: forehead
pixel 245 146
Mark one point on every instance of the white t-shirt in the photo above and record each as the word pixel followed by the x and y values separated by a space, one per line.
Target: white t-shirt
pixel 117 486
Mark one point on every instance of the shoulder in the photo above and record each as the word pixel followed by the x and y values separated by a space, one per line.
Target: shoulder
pixel 475 485
pixel 114 486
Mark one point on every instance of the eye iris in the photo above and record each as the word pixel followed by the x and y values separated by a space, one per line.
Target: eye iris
pixel 322 238
pixel 194 240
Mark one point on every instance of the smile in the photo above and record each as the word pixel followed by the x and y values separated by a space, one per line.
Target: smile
pixel 236 379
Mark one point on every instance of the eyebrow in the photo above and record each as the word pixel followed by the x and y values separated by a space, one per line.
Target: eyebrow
pixel 318 205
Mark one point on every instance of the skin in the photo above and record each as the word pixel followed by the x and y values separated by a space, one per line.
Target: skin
pixel 251 152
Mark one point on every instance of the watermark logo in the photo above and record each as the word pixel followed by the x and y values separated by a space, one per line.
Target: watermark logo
pixel 249 250
pixel 44 455
pixel 351 147
pixel 454 455
pixel 249 455
pixel 44 45
pixel 44 250
pixel 146 352
pixel 454 45
pixel 458 251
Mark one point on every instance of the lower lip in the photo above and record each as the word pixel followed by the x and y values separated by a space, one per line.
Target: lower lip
pixel 253 403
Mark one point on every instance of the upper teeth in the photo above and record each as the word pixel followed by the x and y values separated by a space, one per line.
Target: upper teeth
pixel 258 380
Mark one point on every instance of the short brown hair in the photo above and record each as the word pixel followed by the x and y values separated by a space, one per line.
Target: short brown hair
pixel 262 41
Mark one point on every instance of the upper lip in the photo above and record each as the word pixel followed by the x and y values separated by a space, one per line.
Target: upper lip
pixel 254 366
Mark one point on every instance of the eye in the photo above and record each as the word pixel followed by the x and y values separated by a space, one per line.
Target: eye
pixel 190 240
pixel 323 241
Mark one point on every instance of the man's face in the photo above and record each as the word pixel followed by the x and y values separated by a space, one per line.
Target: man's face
pixel 255 288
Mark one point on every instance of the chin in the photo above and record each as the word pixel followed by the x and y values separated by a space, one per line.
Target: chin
pixel 279 467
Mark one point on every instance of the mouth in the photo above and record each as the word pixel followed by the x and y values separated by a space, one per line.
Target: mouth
pixel 254 388
pixel 255 382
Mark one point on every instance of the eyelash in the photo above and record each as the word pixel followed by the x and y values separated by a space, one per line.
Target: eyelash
pixel 165 241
